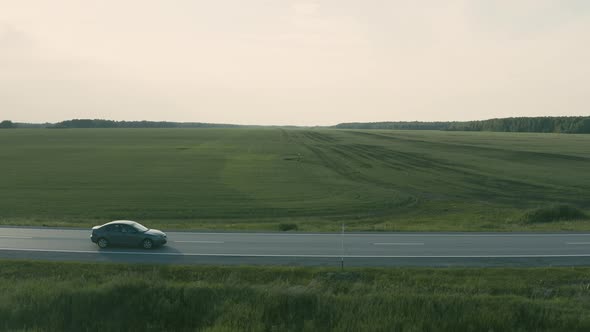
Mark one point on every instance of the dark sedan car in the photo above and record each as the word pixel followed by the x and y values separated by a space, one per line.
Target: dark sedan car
pixel 127 233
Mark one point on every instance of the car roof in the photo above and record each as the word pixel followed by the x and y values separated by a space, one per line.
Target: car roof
pixel 125 222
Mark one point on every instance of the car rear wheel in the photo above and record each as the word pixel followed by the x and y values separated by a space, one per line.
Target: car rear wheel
pixel 147 244
pixel 102 242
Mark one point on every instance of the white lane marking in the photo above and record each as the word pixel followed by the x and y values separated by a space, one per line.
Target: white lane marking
pixel 200 241
pixel 15 237
pixel 351 234
pixel 278 255
pixel 576 243
pixel 398 244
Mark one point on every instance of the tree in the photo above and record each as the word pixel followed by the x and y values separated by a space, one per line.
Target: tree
pixel 7 124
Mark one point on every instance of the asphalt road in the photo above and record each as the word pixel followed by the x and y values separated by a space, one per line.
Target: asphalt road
pixel 325 249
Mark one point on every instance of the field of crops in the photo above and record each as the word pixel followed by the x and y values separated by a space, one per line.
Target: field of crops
pixel 111 297
pixel 315 179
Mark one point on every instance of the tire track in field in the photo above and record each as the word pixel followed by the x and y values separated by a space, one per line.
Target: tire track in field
pixel 416 162
pixel 379 198
pixel 332 154
pixel 324 148
pixel 506 154
pixel 483 178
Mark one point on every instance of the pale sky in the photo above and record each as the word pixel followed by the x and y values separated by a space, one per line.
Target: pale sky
pixel 300 62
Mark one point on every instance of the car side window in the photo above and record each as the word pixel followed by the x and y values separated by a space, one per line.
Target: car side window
pixel 116 228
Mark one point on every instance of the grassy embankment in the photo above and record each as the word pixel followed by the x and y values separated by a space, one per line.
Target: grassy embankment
pixel 90 297
pixel 314 179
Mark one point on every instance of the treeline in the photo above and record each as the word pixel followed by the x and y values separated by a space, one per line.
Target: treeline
pixel 87 123
pixel 6 124
pixel 565 124
pixel 569 124
pixel 414 125
pixel 98 123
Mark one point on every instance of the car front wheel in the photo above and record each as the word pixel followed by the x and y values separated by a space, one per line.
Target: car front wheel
pixel 102 242
pixel 147 244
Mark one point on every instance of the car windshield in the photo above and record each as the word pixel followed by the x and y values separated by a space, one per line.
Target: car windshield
pixel 140 227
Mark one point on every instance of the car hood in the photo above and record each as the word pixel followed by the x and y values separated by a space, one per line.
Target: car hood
pixel 155 232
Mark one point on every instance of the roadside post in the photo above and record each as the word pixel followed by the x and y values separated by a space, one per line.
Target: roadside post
pixel 342 249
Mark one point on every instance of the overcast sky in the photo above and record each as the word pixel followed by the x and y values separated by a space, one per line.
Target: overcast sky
pixel 302 62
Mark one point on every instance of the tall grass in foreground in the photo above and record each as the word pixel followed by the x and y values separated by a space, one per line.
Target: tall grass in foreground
pixel 109 297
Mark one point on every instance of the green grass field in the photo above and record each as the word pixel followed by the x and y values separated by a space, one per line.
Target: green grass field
pixel 317 179
pixel 37 296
